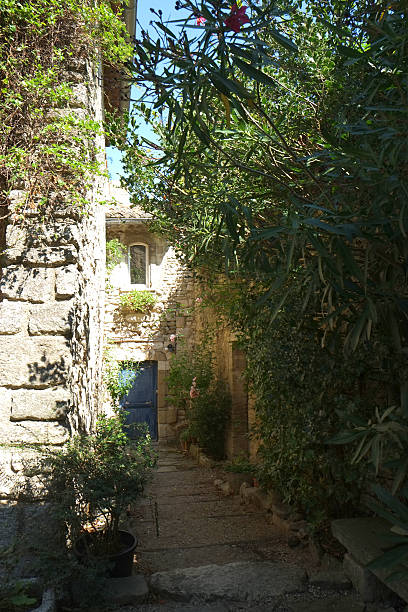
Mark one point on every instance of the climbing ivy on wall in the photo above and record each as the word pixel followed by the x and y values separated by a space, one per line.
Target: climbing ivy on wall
pixel 46 49
pixel 300 391
pixel 118 376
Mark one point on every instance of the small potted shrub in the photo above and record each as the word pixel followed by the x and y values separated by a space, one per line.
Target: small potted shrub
pixel 185 440
pixel 91 483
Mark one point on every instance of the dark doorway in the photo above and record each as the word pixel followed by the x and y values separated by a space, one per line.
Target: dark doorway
pixel 140 403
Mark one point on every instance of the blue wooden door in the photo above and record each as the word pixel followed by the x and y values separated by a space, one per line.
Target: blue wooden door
pixel 140 403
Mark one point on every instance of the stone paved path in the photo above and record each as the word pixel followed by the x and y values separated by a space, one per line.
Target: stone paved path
pixel 183 522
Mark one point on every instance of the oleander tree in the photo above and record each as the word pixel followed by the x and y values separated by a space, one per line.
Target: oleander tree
pixel 282 162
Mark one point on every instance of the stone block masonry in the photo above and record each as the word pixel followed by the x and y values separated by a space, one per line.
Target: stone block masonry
pixel 142 337
pixel 51 315
pixel 146 336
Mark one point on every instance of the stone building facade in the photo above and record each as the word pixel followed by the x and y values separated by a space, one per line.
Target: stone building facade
pixel 146 337
pixel 52 283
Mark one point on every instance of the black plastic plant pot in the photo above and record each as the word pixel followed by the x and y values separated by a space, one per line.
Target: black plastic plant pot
pixel 120 564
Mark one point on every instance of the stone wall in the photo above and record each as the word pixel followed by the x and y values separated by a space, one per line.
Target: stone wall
pixel 51 311
pixel 178 310
pixel 138 336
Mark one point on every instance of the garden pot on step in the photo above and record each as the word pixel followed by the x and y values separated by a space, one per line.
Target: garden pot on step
pixel 121 562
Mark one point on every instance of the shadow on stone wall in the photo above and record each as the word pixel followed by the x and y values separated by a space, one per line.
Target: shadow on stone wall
pixel 29 532
pixel 47 373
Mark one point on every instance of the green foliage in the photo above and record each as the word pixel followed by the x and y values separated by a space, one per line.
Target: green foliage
pixel 46 151
pixel 240 465
pixel 138 300
pixel 185 435
pixel 184 366
pixel 117 384
pixel 115 251
pixel 395 511
pixel 94 478
pixel 208 415
pixel 285 166
pixel 14 597
pixel 382 440
pixel 298 386
pixel 208 412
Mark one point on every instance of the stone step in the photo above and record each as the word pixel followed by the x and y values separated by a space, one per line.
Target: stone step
pixel 247 581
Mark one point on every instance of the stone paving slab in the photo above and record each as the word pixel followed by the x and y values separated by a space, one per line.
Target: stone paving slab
pixel 199 498
pixel 197 525
pixel 345 604
pixel 174 491
pixel 128 590
pixel 184 531
pixel 162 559
pixel 242 581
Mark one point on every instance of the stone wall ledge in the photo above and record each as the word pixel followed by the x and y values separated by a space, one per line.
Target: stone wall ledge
pixel 39 405
pixel 51 319
pixel 13 318
pixel 38 235
pixel 58 206
pixel 41 362
pixel 34 432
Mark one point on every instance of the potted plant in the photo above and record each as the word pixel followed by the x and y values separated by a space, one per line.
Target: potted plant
pixel 91 483
pixel 185 440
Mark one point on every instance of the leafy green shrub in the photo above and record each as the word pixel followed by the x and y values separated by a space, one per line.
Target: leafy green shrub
pixel 288 177
pixel 14 597
pixel 240 465
pixel 87 486
pixel 139 301
pixel 208 416
pixel 299 388
pixel 115 251
pixel 117 383
pixel 394 510
pixel 185 435
pixel 94 478
pixel 185 366
pixel 207 412
pixel 45 151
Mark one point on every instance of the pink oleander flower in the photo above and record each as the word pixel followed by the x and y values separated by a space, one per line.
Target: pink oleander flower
pixel 200 20
pixel 173 338
pixel 236 18
pixel 194 392
pixel 199 300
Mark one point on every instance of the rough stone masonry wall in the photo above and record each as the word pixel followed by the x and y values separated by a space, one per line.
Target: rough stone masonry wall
pixel 146 336
pixel 51 310
pixel 142 337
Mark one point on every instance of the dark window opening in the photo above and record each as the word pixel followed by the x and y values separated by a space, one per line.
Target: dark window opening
pixel 137 264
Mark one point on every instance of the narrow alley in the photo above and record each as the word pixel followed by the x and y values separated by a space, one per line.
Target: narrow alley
pixel 200 550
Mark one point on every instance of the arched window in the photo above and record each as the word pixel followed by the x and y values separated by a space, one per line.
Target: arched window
pixel 138 256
